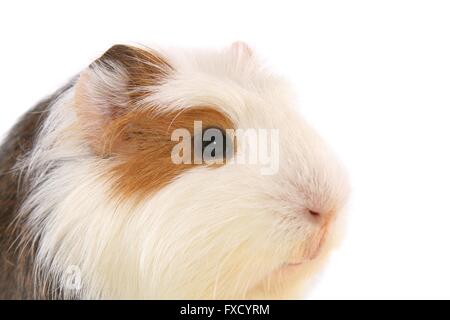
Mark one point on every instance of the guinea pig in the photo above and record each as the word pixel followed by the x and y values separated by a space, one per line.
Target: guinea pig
pixel 101 198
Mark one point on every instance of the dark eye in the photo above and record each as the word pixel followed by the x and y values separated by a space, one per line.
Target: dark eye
pixel 216 145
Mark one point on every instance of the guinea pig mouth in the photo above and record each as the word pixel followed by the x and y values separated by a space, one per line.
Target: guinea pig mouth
pixel 301 258
pixel 293 264
pixel 309 252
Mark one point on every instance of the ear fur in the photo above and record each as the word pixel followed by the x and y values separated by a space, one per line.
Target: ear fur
pixel 111 86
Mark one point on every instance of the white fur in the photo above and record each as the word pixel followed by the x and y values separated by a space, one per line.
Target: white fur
pixel 222 233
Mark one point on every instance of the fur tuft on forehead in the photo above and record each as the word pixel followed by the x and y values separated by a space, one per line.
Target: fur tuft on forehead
pixel 134 135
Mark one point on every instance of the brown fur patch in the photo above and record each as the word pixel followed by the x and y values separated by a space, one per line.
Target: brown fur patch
pixel 141 142
pixel 144 67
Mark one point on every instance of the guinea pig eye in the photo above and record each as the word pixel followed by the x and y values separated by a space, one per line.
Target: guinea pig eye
pixel 216 145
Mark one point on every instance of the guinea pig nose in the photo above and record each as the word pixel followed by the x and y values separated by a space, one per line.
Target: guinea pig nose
pixel 315 214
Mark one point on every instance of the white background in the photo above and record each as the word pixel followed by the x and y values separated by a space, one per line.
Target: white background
pixel 372 76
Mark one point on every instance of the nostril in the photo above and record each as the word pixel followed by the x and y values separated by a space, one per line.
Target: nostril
pixel 314 213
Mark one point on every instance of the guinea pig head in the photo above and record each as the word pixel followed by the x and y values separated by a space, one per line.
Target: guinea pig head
pixel 247 220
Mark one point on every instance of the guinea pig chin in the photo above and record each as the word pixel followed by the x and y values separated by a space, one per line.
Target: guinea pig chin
pixel 289 277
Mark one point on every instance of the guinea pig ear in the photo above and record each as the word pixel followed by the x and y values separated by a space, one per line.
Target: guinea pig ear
pixel 113 84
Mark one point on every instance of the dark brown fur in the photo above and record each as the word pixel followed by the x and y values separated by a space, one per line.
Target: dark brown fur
pixel 16 261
